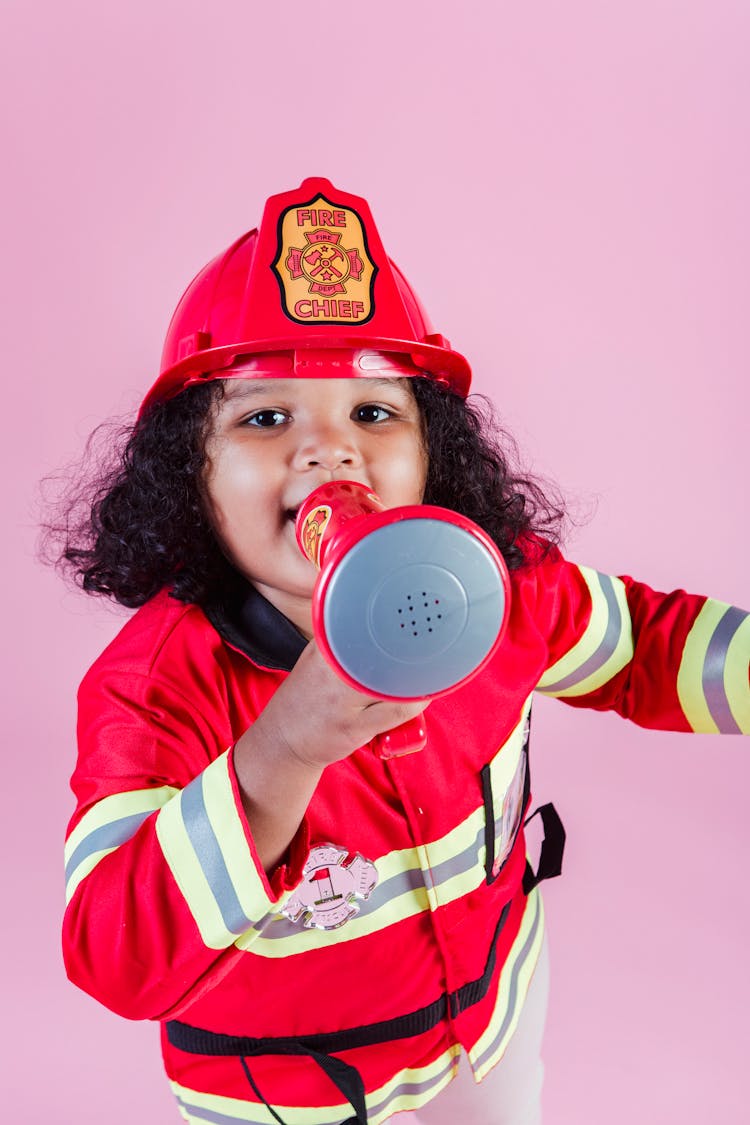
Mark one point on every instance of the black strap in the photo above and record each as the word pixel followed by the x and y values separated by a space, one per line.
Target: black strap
pixel 553 847
pixel 201 1042
pixel 345 1078
pixel 258 1094
pixel 321 1047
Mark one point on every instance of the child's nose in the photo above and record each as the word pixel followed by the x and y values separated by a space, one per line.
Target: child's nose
pixel 328 447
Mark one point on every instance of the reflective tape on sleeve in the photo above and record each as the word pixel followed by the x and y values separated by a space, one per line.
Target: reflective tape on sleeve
pixel 107 825
pixel 203 840
pixel 712 683
pixel 605 647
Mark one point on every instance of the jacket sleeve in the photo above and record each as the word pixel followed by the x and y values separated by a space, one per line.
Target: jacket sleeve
pixel 162 876
pixel 673 661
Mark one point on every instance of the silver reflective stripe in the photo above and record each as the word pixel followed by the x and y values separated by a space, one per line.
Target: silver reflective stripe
pixel 458 864
pixel 606 647
pixel 207 850
pixel 399 884
pixel 405 1088
pixel 200 1113
pixel 412 1088
pixel 520 961
pixel 713 671
pixel 108 836
pixel 413 879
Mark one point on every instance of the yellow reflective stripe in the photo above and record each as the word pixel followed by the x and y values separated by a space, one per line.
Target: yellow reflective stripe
pixel 457 842
pixel 201 836
pixel 605 647
pixel 712 682
pixel 107 825
pixel 409 1089
pixel 453 866
pixel 515 978
pixel 412 1087
pixel 507 777
pixel 504 765
pixel 198 1108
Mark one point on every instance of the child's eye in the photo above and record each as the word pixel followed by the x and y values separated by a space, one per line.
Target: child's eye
pixel 266 419
pixel 371 413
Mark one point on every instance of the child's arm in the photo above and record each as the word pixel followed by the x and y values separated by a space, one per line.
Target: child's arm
pixel 674 661
pixel 181 846
pixel 314 719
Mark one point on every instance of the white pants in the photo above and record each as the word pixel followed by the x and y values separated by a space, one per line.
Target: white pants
pixel 511 1094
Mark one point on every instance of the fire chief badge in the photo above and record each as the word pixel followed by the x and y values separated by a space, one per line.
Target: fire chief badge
pixel 323 264
pixel 325 897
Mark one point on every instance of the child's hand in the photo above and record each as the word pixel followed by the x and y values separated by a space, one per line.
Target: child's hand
pixel 312 720
pixel 318 719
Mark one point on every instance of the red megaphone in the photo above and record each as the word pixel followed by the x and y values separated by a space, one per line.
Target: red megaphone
pixel 409 603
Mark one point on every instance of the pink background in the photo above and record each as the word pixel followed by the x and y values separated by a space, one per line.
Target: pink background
pixel 567 185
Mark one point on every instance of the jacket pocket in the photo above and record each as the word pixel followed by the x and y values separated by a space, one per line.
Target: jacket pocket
pixel 506 790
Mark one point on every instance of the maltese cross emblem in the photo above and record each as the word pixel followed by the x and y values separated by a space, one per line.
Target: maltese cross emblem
pixel 326 265
pixel 325 899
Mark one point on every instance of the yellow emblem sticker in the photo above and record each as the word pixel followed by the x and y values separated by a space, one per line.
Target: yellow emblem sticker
pixel 313 530
pixel 323 264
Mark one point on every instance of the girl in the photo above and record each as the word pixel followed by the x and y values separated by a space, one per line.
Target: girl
pixel 225 773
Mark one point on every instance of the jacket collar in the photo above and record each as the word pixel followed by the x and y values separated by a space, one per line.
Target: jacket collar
pixel 248 622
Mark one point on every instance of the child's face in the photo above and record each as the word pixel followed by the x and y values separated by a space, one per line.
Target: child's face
pixel 274 440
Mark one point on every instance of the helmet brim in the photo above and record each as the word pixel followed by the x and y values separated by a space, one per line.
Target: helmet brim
pixel 276 359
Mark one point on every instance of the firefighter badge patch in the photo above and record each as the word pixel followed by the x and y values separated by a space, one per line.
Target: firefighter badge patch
pixel 325 897
pixel 323 264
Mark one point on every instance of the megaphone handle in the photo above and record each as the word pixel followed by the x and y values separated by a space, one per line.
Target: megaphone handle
pixel 407 738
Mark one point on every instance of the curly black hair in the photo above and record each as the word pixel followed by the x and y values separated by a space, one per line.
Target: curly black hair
pixel 473 468
pixel 138 522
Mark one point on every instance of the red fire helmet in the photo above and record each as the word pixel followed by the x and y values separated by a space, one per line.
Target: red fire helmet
pixel 309 293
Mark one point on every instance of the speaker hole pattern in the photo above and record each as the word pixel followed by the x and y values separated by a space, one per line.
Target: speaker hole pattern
pixel 425 620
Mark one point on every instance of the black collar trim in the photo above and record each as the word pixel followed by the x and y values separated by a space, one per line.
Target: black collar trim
pixel 247 621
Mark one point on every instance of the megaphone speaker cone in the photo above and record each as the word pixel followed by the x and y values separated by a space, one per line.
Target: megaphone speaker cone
pixel 415 607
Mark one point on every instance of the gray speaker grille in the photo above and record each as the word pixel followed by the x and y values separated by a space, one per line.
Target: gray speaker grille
pixel 414 607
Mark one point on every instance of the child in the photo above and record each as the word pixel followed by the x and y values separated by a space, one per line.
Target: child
pixel 223 764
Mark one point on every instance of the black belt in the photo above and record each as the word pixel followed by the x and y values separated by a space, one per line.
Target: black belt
pixel 322 1047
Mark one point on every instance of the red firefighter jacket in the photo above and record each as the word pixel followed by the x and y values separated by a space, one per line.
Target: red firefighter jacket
pixel 171 917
